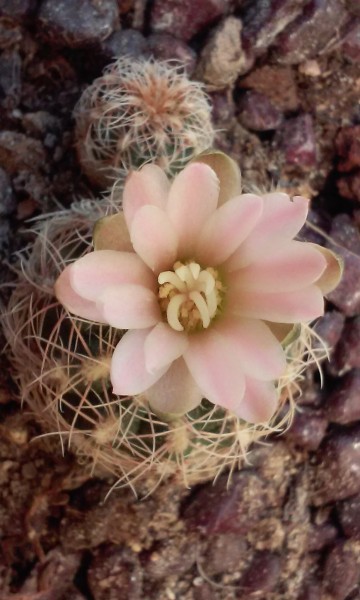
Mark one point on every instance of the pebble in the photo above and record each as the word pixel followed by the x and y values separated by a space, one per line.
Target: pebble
pixel 329 328
pixel 79 22
pixel 346 296
pixel 257 113
pixel 347 355
pixel 17 9
pixel 226 552
pixel 350 46
pixel 127 42
pixel 321 536
pixel 218 510
pixel 343 404
pixel 310 32
pixel 347 144
pixel 264 19
pixel 185 18
pixel 277 83
pixel 341 571
pixel 296 140
pixel 223 107
pixel 163 46
pixel 18 151
pixel 348 513
pixel 307 430
pixel 262 575
pixel 115 574
pixel 346 232
pixel 223 57
pixel 349 186
pixel 7 199
pixel 336 476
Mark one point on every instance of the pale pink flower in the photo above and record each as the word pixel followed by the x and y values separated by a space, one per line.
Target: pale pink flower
pixel 207 281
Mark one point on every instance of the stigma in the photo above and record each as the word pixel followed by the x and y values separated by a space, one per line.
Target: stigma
pixel 189 296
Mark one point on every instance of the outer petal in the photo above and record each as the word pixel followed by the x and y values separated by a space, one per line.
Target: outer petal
pixel 128 372
pixel 227 172
pixel 193 198
pixel 94 272
pixel 129 306
pixel 154 238
pixel 281 220
pixel 147 186
pixel 331 277
pixel 258 352
pixel 175 393
pixel 227 228
pixel 111 233
pixel 216 370
pixel 72 301
pixel 163 345
pixel 294 266
pixel 286 307
pixel 260 401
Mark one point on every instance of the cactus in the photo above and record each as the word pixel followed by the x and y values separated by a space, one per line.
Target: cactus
pixel 62 367
pixel 139 112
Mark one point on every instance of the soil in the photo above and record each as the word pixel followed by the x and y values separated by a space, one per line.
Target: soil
pixel 287 525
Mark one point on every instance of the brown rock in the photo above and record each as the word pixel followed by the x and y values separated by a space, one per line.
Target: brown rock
pixel 276 83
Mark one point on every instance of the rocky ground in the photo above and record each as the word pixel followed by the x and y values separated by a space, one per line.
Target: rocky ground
pixel 284 78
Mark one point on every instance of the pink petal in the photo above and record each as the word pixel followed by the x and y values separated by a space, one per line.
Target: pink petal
pixel 72 301
pixel 128 372
pixel 94 272
pixel 193 198
pixel 154 238
pixel 227 228
pixel 216 370
pixel 259 403
pixel 147 186
pixel 129 306
pixel 175 393
pixel 163 345
pixel 295 265
pixel 258 352
pixel 286 307
pixel 281 220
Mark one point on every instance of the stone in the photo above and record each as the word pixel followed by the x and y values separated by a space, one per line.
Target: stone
pixel 79 22
pixel 277 83
pixel 214 509
pixel 296 141
pixel 115 574
pixel 348 513
pixel 341 571
pixel 7 199
pixel 10 78
pixel 223 57
pixel 163 46
pixel 349 186
pixel 257 113
pixel 17 9
pixel 225 552
pixel 347 355
pixel 128 42
pixel 310 32
pixel 264 19
pixel 353 7
pixel 307 429
pixel 347 144
pixel 346 296
pixel 329 328
pixel 350 47
pixel 346 232
pixel 336 474
pixel 262 575
pixel 18 151
pixel 343 404
pixel 223 108
pixel 185 18
pixel 321 536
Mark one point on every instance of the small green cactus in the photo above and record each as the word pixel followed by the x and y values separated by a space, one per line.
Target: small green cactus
pixel 140 111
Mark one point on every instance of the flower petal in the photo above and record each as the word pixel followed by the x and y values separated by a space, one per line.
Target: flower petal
pixel 227 172
pixel 295 265
pixel 129 306
pixel 94 272
pixel 260 401
pixel 258 352
pixel 111 233
pixel 281 220
pixel 154 238
pixel 193 198
pixel 175 393
pixel 216 370
pixel 147 186
pixel 285 307
pixel 227 228
pixel 72 301
pixel 332 275
pixel 128 372
pixel 163 345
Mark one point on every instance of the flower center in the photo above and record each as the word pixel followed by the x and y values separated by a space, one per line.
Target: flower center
pixel 189 296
